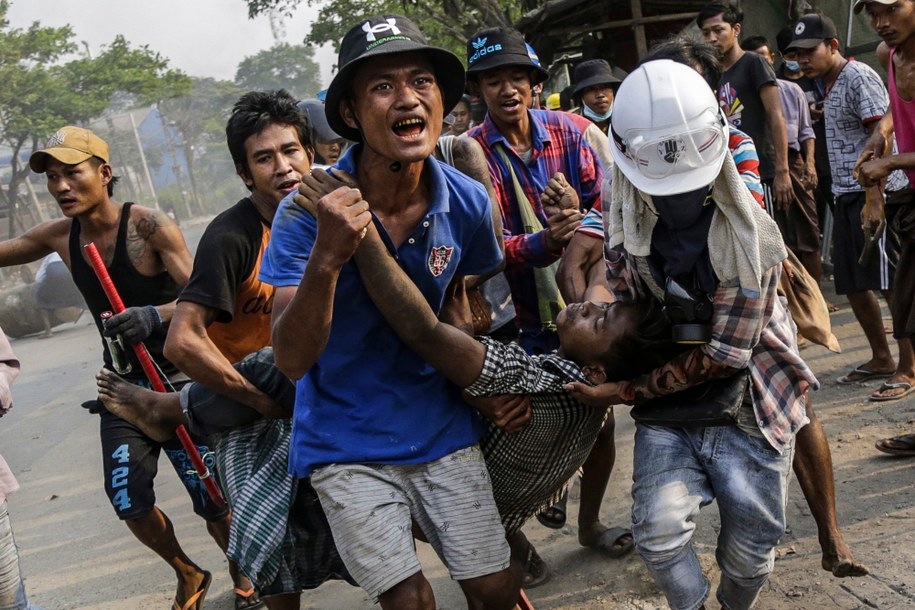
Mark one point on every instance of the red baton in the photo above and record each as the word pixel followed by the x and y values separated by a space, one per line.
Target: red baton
pixel 146 362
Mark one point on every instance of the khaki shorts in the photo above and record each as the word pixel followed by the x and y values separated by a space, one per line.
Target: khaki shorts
pixel 370 508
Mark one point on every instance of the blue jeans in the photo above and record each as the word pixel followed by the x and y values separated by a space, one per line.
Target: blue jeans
pixel 676 471
pixel 12 591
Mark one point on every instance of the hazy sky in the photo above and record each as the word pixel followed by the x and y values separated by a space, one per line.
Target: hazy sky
pixel 201 37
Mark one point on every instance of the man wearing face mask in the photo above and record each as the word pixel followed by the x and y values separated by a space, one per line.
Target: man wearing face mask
pixel 595 85
pixel 682 228
pixel 790 70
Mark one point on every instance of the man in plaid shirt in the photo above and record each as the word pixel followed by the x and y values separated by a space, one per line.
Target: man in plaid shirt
pixel 541 164
pixel 533 148
pixel 680 217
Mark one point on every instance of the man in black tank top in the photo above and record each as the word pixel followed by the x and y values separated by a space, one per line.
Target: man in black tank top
pixel 149 262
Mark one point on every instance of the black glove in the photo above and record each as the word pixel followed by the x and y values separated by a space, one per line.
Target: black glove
pixel 134 324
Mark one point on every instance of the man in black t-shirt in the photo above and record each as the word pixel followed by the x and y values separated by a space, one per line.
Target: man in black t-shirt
pixel 224 313
pixel 749 97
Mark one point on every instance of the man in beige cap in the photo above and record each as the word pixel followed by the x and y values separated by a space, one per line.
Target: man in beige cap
pixel 149 263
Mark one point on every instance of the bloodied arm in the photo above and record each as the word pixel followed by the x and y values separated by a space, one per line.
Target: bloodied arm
pixel 728 351
pixel 455 354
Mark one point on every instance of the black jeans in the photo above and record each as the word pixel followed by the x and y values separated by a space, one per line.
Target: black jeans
pixel 210 413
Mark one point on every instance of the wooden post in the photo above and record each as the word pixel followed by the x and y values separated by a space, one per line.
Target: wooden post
pixel 641 42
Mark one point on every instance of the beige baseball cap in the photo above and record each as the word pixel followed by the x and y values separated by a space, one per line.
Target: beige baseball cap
pixel 859 4
pixel 71 146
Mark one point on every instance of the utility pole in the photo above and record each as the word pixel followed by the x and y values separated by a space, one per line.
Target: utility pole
pixel 149 182
pixel 176 166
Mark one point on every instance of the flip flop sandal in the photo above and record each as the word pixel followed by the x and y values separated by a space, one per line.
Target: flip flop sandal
pixel 195 601
pixel 903 444
pixel 861 374
pixel 247 600
pixel 554 517
pixel 614 542
pixel 535 570
pixel 905 386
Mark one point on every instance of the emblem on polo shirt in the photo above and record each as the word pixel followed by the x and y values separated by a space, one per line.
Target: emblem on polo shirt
pixel 439 257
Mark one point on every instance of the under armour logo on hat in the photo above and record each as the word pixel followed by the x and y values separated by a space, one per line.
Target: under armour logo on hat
pixel 383 35
pixel 389 25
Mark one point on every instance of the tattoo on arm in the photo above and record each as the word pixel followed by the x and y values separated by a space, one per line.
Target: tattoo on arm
pixel 470 160
pixel 138 235
pixel 686 370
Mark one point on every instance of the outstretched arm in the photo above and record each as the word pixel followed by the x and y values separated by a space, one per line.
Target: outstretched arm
pixel 456 355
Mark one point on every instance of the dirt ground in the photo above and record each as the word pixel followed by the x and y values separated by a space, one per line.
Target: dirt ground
pixel 77 556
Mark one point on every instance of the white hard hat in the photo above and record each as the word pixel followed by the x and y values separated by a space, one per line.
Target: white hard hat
pixel 669 135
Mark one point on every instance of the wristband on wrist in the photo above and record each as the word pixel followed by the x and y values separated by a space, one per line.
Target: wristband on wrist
pixel 158 323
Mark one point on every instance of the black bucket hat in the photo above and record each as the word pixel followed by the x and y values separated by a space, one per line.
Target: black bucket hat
pixel 593 72
pixel 386 35
pixel 498 47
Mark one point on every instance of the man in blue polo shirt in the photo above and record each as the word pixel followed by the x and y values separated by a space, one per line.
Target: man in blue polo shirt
pixel 384 437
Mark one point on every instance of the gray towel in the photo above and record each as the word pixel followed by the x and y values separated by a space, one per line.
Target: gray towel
pixel 744 242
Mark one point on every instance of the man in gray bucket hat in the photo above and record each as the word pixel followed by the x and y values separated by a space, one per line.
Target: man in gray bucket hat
pixel 386 439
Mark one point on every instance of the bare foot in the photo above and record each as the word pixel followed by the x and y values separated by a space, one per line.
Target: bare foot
pixel 154 413
pixel 838 559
